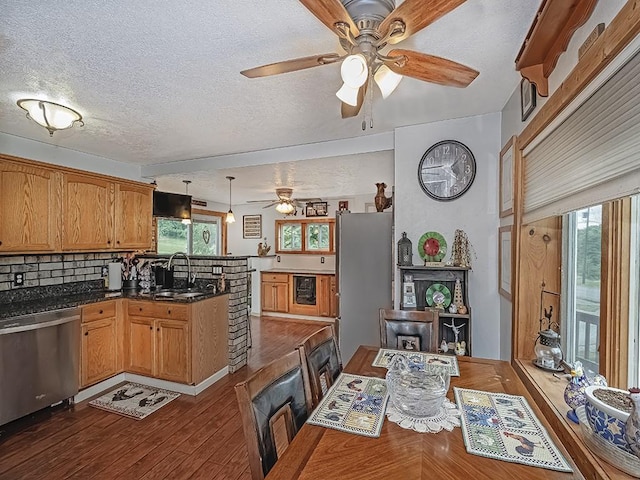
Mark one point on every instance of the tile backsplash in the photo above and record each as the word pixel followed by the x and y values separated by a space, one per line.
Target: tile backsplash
pixel 44 270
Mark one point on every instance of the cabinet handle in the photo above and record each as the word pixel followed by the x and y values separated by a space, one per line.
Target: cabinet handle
pixel 0 242
pixel 169 312
pixel 108 242
pixel 150 328
pixel 100 312
pixel 158 328
pixel 86 333
pixel 140 308
pixel 118 242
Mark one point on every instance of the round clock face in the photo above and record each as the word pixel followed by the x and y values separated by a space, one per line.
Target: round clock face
pixel 446 170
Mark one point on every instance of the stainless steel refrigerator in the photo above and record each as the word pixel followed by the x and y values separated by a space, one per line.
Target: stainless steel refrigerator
pixel 364 257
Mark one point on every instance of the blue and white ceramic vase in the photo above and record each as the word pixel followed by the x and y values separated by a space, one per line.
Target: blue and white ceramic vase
pixel 632 434
pixel 574 395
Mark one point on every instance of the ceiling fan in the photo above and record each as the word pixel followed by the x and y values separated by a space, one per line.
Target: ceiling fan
pixel 365 28
pixel 285 203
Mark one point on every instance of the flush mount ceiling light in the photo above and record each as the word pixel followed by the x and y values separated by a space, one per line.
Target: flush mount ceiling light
pixel 231 218
pixel 51 116
pixel 186 220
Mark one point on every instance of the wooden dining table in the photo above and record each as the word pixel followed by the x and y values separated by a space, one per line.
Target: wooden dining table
pixel 327 454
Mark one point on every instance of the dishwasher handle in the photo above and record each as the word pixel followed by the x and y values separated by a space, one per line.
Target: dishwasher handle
pixel 19 327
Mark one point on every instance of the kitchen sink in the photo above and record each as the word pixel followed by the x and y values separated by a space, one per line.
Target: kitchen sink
pixel 175 293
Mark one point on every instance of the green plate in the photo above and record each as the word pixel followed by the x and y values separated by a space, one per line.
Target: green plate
pixel 438 293
pixel 432 247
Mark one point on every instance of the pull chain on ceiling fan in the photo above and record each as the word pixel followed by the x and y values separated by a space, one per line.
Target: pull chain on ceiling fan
pixel 365 29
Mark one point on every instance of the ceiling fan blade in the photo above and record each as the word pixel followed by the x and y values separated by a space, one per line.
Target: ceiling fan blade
pixel 430 68
pixel 351 111
pixel 291 65
pixel 416 14
pixel 331 12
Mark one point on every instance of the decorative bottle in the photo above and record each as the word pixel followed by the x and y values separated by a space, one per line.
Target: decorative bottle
pixel 574 394
pixel 632 433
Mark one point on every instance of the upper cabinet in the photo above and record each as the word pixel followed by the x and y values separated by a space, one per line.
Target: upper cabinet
pixel 134 214
pixel 88 213
pixel 52 209
pixel 29 207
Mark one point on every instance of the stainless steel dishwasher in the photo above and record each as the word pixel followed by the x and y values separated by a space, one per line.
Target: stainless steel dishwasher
pixel 39 361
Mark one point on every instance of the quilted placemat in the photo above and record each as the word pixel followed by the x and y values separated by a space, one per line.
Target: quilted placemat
pixel 502 426
pixel 419 359
pixel 353 404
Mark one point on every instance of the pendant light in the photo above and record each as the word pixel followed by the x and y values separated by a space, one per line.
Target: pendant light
pixel 186 220
pixel 231 218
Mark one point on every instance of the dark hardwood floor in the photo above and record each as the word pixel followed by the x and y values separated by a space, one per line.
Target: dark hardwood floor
pixel 190 438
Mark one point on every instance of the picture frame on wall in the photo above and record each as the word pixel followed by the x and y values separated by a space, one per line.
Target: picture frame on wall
pixel 316 209
pixel 507 178
pixel 252 226
pixel 527 98
pixel 504 261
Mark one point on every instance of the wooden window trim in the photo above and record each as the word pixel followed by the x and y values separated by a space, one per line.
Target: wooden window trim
pixel 304 223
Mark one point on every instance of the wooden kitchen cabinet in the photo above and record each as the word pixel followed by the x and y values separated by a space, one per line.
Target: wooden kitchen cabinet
pixel 275 292
pixel 88 212
pixel 30 200
pixel 133 217
pixel 101 353
pixel 184 343
pixel 326 285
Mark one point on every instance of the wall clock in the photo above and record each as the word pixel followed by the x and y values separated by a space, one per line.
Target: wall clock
pixel 446 170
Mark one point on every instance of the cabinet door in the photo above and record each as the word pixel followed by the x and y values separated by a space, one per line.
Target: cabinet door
pixel 99 351
pixel 268 296
pixel 333 299
pixel 173 351
pixel 29 208
pixel 134 212
pixel 88 213
pixel 141 345
pixel 323 293
pixel 281 297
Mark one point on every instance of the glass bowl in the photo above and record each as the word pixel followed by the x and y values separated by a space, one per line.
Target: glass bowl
pixel 417 391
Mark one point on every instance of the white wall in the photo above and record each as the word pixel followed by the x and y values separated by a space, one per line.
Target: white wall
pixel 475 212
pixel 604 12
pixel 59 155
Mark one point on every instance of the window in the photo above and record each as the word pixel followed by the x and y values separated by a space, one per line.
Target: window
pixel 202 237
pixel 305 236
pixel 583 261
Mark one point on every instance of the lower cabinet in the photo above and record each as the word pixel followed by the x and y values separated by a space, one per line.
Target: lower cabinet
pixel 101 344
pixel 274 292
pixel 183 343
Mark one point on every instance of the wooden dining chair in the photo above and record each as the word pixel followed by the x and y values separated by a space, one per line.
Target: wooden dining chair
pixel 274 404
pixel 322 355
pixel 409 329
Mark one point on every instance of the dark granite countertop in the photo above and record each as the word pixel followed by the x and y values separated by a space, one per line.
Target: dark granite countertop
pixel 28 306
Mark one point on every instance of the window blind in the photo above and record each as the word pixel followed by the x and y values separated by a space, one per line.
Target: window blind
pixel 591 157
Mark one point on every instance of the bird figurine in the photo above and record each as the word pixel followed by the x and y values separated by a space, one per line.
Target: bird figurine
pixel 574 394
pixel 263 248
pixel 632 431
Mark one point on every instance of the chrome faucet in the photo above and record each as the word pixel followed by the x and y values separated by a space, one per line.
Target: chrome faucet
pixel 190 279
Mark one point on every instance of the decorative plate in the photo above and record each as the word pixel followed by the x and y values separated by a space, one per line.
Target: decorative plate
pixel 438 294
pixel 432 247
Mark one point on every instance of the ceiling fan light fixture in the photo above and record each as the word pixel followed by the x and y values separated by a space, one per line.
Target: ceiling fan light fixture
pixel 348 95
pixel 49 115
pixel 354 70
pixel 285 208
pixel 387 80
pixel 230 218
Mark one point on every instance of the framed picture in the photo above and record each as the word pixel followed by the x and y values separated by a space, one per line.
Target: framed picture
pixel 507 178
pixel 527 98
pixel 316 209
pixel 407 342
pixel 252 226
pixel 504 261
pixel 343 205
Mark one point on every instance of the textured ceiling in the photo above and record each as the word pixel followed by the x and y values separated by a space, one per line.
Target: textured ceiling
pixel 159 82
